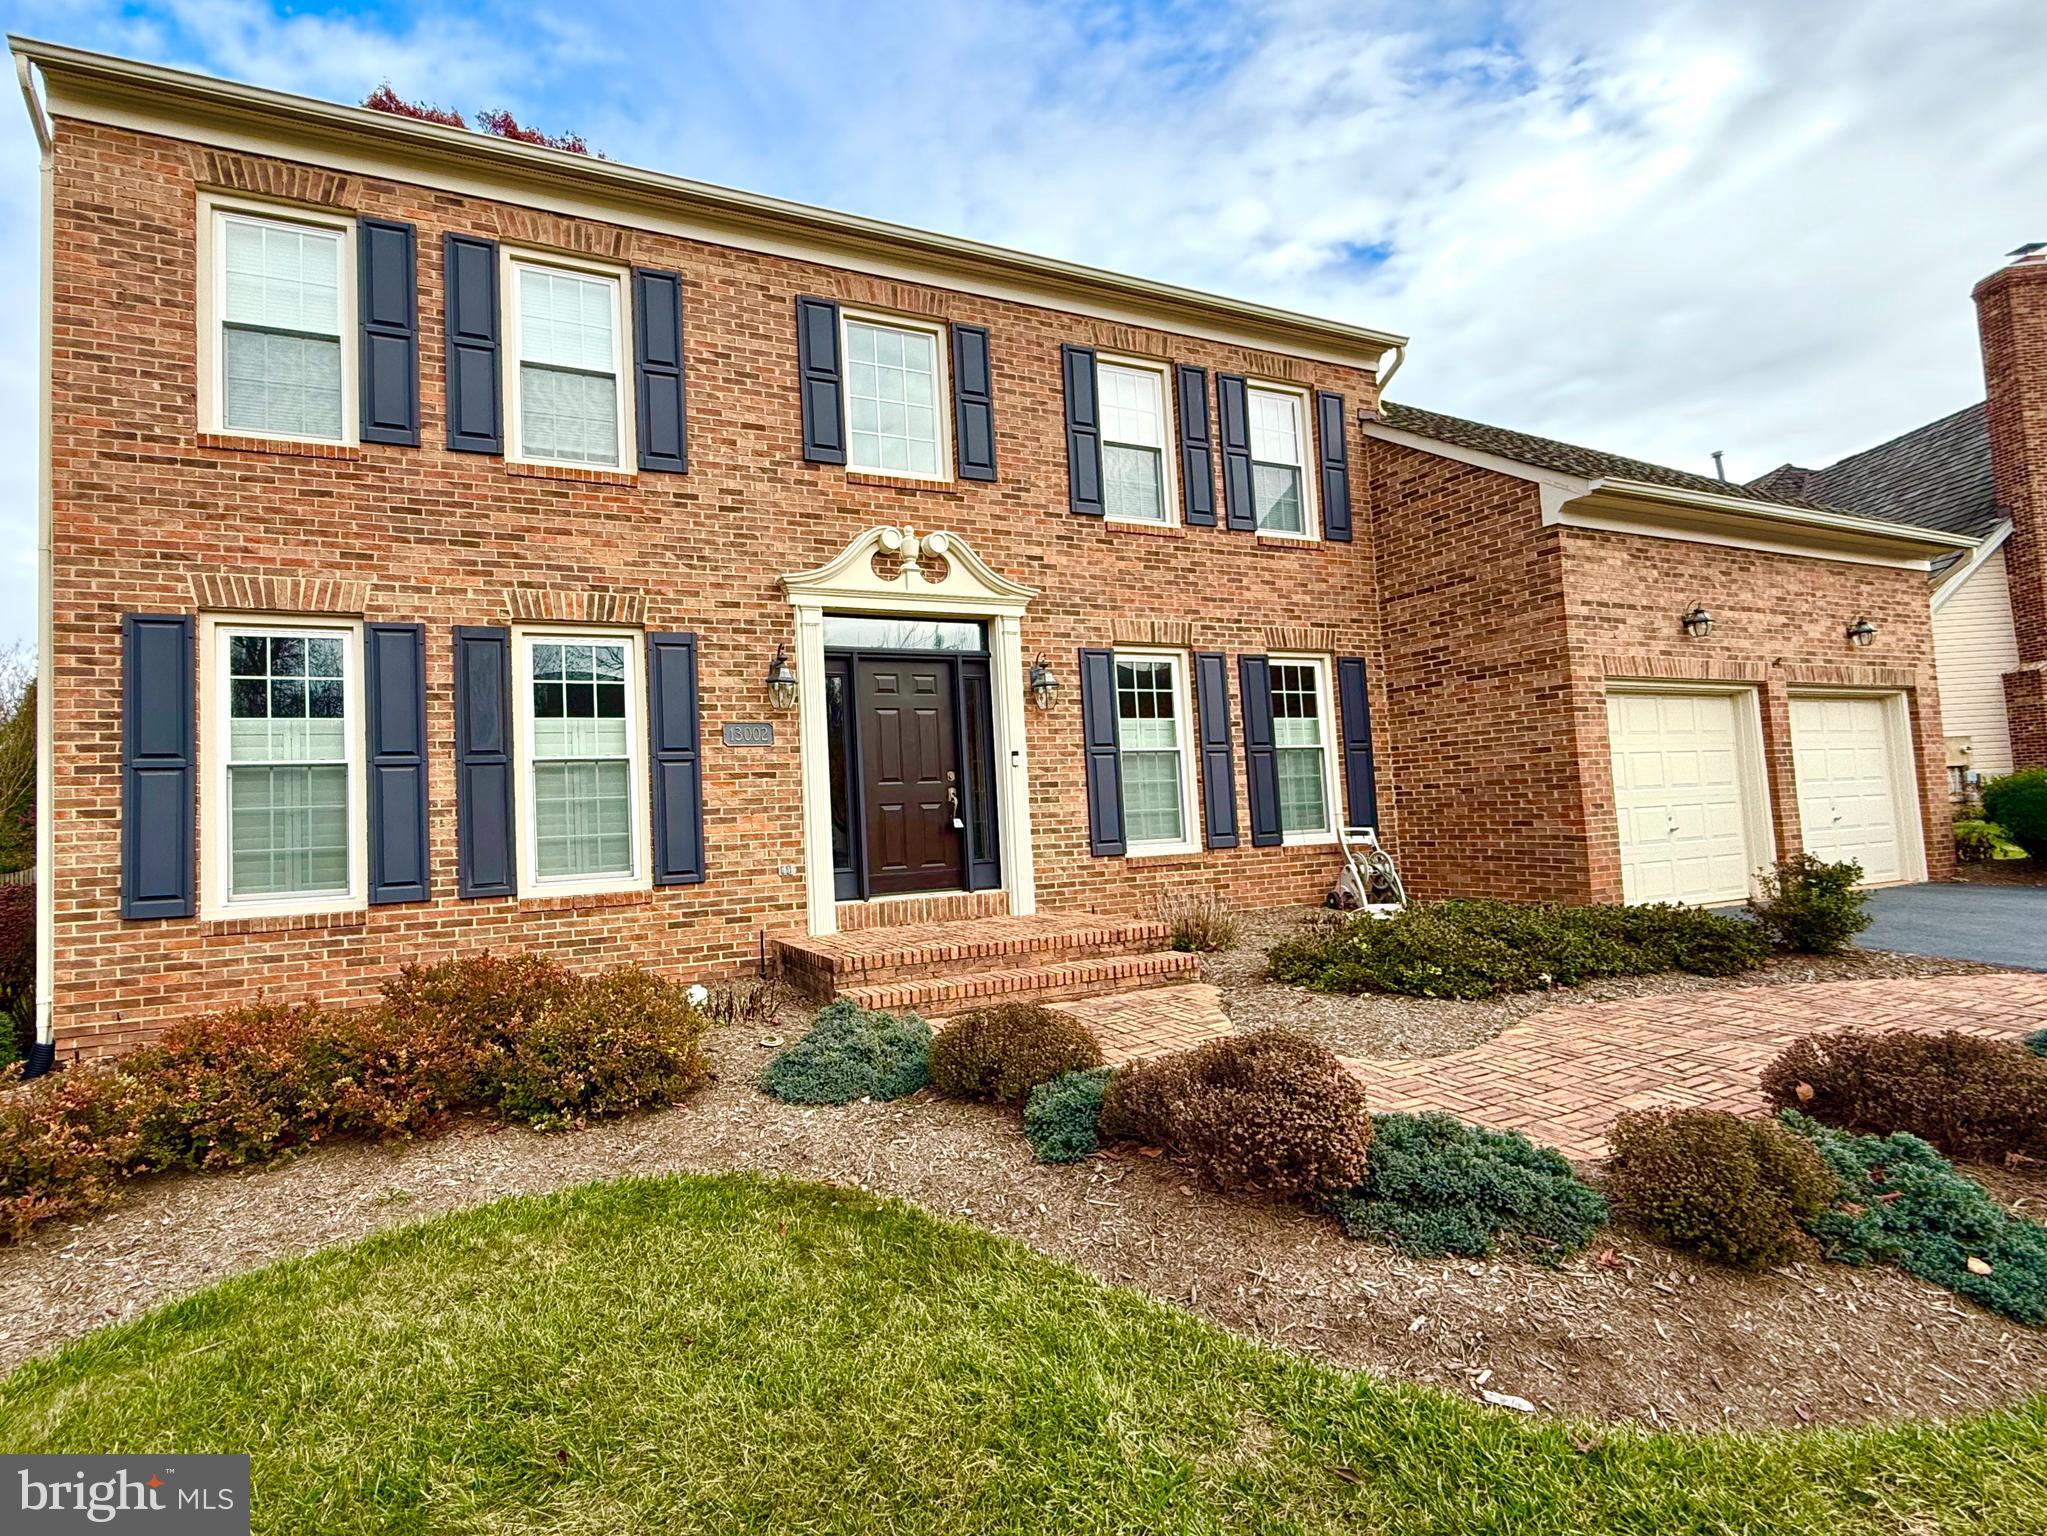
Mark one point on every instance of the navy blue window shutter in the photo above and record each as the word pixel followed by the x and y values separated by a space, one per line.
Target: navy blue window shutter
pixel 677 759
pixel 1104 761
pixel 389 281
pixel 159 770
pixel 1233 418
pixel 1197 459
pixel 1083 431
pixel 657 371
pixel 1218 767
pixel 973 402
pixel 1261 763
pixel 394 688
pixel 817 363
pixel 474 401
pixel 1354 704
pixel 1335 467
pixel 484 835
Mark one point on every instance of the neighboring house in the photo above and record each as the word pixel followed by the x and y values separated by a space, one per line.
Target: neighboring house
pixel 452 544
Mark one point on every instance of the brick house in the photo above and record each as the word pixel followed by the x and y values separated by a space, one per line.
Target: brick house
pixel 452 544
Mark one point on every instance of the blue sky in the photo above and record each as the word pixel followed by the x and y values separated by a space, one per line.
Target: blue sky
pixel 1659 226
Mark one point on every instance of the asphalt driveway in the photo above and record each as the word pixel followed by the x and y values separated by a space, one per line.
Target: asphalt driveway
pixel 1997 924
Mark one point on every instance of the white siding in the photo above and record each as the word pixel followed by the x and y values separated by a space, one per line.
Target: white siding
pixel 1974 645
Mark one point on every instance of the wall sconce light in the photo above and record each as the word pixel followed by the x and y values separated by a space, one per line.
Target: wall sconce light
pixel 1862 632
pixel 781 680
pixel 1698 623
pixel 1044 686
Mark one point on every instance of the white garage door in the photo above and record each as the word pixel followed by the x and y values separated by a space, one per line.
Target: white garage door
pixel 1848 783
pixel 1677 778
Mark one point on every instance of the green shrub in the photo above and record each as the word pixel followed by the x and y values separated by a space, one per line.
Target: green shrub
pixel 852 1053
pixel 1063 1117
pixel 1810 907
pixel 2018 803
pixel 1472 949
pixel 621 1041
pixel 998 1055
pixel 2036 1042
pixel 1969 1096
pixel 1201 924
pixel 1978 842
pixel 1733 1190
pixel 1436 1187
pixel 1902 1203
pixel 1269 1113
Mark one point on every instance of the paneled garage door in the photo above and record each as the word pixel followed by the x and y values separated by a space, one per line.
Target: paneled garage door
pixel 1848 779
pixel 1678 777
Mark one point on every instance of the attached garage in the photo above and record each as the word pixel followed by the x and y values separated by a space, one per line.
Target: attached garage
pixel 1688 792
pixel 1857 797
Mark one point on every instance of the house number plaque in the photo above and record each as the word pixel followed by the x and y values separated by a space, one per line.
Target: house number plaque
pixel 749 733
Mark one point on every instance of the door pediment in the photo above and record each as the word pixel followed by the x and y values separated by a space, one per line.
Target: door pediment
pixel 898 569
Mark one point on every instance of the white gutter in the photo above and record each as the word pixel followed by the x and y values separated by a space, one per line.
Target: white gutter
pixel 1811 517
pixel 46 672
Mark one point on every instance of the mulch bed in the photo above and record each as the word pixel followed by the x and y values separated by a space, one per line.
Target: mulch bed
pixel 2003 872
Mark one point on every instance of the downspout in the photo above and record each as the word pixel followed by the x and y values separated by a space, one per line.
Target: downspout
pixel 43 1054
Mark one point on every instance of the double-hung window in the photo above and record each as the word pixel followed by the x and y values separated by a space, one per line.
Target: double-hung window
pixel 895 398
pixel 569 382
pixel 1137 459
pixel 1282 493
pixel 1301 746
pixel 1152 746
pixel 280 306
pixel 583 804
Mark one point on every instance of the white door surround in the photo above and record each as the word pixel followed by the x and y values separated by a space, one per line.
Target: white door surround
pixel 897 571
pixel 1690 790
pixel 1858 793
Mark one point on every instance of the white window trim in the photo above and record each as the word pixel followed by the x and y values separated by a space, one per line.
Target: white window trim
pixel 1331 746
pixel 1169 449
pixel 1311 501
pixel 510 259
pixel 214 632
pixel 1183 699
pixel 941 388
pixel 640 877
pixel 212 308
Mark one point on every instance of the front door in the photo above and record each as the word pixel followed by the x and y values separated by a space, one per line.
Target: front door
pixel 909 748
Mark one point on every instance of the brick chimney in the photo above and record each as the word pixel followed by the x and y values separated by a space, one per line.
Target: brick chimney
pixel 2011 315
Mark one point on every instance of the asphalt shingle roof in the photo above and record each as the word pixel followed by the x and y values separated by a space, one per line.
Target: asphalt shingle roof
pixel 1935 476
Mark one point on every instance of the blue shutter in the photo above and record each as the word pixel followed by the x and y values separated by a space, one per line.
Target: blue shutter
pixel 1354 704
pixel 973 403
pixel 677 759
pixel 817 364
pixel 1197 460
pixel 1083 433
pixel 394 690
pixel 1104 763
pixel 484 835
pixel 389 359
pixel 1233 417
pixel 159 774
pixel 1218 770
pixel 471 322
pixel 1335 467
pixel 657 372
pixel 1261 763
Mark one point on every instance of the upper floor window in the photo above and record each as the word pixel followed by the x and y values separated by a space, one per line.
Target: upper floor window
pixel 1136 457
pixel 1151 737
pixel 1300 739
pixel 582 806
pixel 281 306
pixel 568 381
pixel 895 398
pixel 1280 482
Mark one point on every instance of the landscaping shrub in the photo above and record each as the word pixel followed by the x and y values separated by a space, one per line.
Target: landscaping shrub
pixel 2018 803
pixel 67 1142
pixel 1970 1097
pixel 624 1040
pixel 1902 1203
pixel 751 1000
pixel 1202 924
pixel 1978 842
pixel 852 1053
pixel 2036 1042
pixel 1472 948
pixel 1810 907
pixel 1270 1113
pixel 1734 1190
pixel 1000 1054
pixel 1063 1117
pixel 1437 1187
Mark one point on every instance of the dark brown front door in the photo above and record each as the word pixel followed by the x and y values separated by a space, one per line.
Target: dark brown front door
pixel 910 752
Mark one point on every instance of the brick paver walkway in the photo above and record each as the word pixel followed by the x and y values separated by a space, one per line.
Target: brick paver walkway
pixel 1133 1025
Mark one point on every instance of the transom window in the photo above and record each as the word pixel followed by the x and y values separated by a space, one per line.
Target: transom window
pixel 894 399
pixel 1300 738
pixel 1279 461
pixel 880 632
pixel 280 297
pixel 1135 460
pixel 1152 748
pixel 583 810
pixel 571 404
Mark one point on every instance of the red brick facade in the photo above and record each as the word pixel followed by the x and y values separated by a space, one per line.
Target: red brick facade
pixel 2011 312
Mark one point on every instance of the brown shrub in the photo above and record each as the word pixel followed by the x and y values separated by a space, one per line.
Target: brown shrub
pixel 1270 1113
pixel 625 1040
pixel 67 1142
pixel 1970 1097
pixel 1000 1054
pixel 1734 1190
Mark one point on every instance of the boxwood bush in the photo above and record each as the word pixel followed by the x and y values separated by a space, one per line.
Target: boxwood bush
pixel 1968 1096
pixel 999 1054
pixel 1734 1190
pixel 1063 1117
pixel 1808 906
pixel 2018 803
pixel 852 1053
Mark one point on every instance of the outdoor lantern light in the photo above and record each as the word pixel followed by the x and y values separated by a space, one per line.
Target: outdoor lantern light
pixel 1044 686
pixel 781 679
pixel 1698 623
pixel 1862 632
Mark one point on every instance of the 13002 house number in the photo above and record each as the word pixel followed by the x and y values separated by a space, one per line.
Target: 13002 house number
pixel 750 733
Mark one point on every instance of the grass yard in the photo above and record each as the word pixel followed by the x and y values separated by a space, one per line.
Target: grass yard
pixel 732 1354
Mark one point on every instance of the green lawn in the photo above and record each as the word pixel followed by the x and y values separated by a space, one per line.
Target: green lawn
pixel 740 1355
